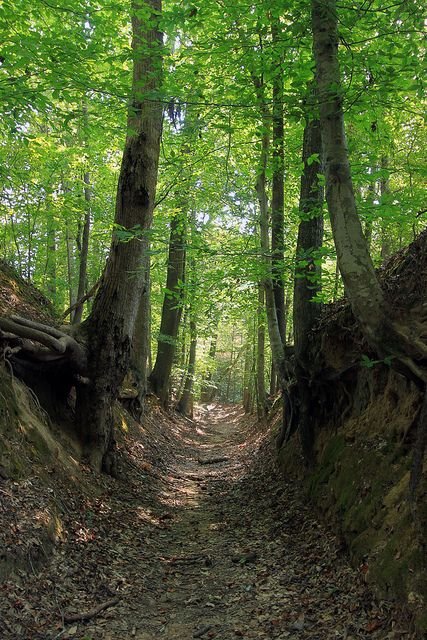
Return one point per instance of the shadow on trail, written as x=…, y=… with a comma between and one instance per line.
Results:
x=201, y=537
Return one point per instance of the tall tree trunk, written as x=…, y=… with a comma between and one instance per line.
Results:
x=261, y=394
x=247, y=378
x=402, y=342
x=51, y=254
x=185, y=404
x=70, y=264
x=385, y=233
x=307, y=283
x=206, y=394
x=273, y=379
x=140, y=355
x=110, y=327
x=388, y=337
x=84, y=249
x=172, y=309
x=276, y=344
x=277, y=194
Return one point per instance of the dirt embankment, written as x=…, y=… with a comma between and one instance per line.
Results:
x=366, y=426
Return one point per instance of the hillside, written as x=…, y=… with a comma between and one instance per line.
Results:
x=366, y=433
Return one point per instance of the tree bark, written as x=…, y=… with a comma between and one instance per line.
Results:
x=261, y=395
x=307, y=283
x=185, y=404
x=276, y=344
x=140, y=355
x=70, y=264
x=172, y=309
x=51, y=241
x=84, y=249
x=109, y=329
x=277, y=193
x=385, y=233
x=207, y=392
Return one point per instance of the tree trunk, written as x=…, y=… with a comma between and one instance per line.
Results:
x=172, y=309
x=385, y=232
x=277, y=194
x=261, y=394
x=185, y=404
x=206, y=394
x=51, y=254
x=110, y=327
x=247, y=378
x=401, y=342
x=140, y=356
x=84, y=249
x=276, y=344
x=70, y=264
x=307, y=283
x=387, y=337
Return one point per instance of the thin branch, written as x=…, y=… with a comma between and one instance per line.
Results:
x=88, y=615
x=86, y=297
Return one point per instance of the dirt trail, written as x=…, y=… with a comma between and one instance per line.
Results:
x=196, y=547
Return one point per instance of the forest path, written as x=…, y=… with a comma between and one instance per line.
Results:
x=238, y=554
x=181, y=549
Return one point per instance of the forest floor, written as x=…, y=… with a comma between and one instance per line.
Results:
x=200, y=538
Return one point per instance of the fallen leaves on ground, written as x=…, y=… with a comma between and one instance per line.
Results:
x=182, y=550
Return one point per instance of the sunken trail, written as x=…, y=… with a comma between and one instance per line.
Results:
x=201, y=538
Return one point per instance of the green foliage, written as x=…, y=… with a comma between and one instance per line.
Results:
x=65, y=73
x=369, y=363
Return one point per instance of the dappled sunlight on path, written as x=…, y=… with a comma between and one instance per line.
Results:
x=200, y=538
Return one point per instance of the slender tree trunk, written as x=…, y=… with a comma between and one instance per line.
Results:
x=185, y=404
x=51, y=255
x=260, y=357
x=110, y=327
x=307, y=284
x=388, y=337
x=246, y=395
x=273, y=379
x=369, y=221
x=230, y=369
x=140, y=355
x=181, y=359
x=70, y=264
x=276, y=344
x=172, y=309
x=385, y=233
x=206, y=394
x=84, y=249
x=277, y=194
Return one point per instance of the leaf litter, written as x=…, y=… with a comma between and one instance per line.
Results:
x=176, y=549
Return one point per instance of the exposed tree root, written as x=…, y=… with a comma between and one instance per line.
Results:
x=92, y=613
